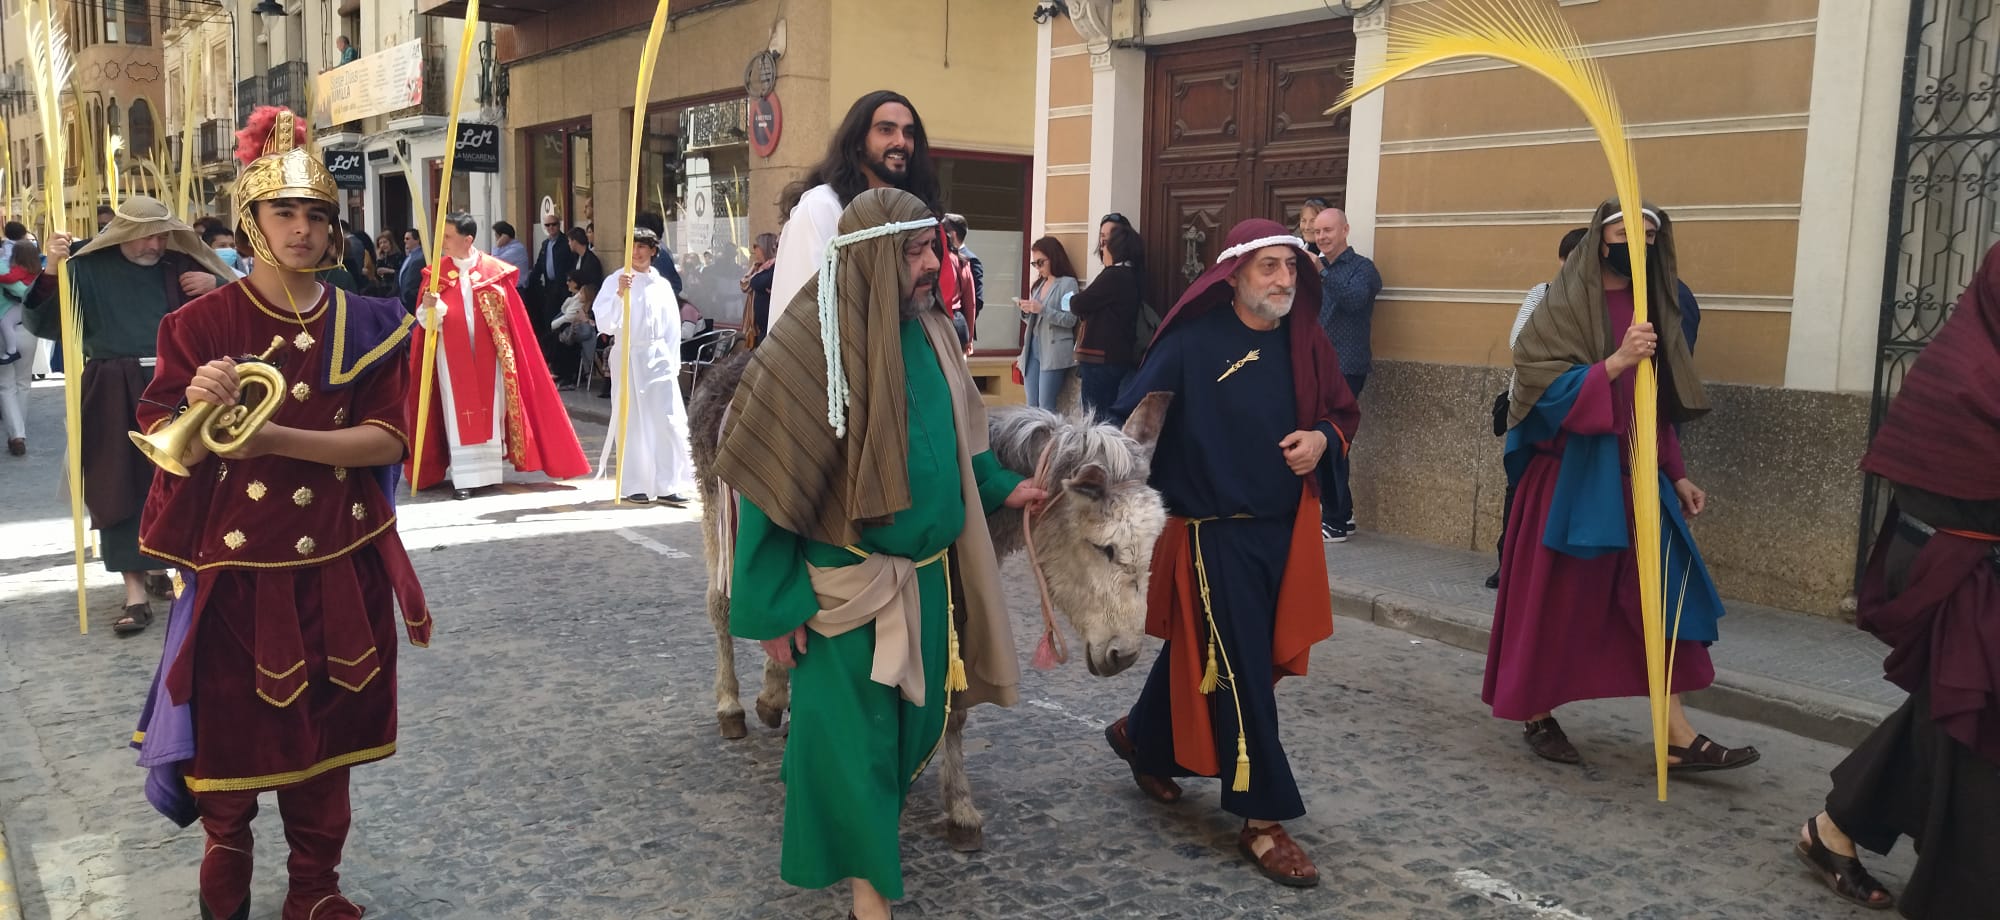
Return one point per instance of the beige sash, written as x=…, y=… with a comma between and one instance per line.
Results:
x=881, y=589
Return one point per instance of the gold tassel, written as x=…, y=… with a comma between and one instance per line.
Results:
x=1242, y=783
x=954, y=678
x=1208, y=677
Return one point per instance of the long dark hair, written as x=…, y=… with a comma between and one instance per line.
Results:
x=844, y=168
x=1052, y=250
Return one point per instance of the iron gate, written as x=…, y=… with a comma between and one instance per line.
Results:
x=1944, y=208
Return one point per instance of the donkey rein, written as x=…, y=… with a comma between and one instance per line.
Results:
x=1051, y=636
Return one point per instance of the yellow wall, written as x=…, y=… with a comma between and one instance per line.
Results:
x=1483, y=168
x=969, y=67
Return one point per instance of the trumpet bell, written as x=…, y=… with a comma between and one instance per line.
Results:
x=166, y=447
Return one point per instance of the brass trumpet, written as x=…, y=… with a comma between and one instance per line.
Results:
x=221, y=428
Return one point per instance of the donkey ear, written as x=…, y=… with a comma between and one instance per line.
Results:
x=1091, y=482
x=1143, y=425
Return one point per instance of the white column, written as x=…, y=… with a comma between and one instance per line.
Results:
x=1364, y=133
x=1117, y=135
x=1843, y=219
x=1038, y=193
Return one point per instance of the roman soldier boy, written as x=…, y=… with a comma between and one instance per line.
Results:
x=279, y=672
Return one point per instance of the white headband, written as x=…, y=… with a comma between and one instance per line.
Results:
x=837, y=393
x=1616, y=217
x=1242, y=249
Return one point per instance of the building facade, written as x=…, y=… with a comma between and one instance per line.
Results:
x=568, y=67
x=1767, y=128
x=119, y=89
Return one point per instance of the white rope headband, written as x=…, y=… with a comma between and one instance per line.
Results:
x=1616, y=217
x=1242, y=249
x=837, y=392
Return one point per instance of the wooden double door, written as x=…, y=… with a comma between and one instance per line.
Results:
x=1234, y=130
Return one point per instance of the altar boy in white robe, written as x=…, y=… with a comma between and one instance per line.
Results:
x=658, y=464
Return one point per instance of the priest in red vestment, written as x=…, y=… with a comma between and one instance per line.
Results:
x=279, y=670
x=493, y=399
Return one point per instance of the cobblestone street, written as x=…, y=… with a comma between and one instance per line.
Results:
x=559, y=758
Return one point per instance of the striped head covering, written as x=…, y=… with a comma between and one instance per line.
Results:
x=818, y=431
x=1570, y=326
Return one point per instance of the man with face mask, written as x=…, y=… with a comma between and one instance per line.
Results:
x=1566, y=625
x=219, y=238
x=142, y=266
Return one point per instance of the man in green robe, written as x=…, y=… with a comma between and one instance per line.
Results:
x=141, y=266
x=857, y=441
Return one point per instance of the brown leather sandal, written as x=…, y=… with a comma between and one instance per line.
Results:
x=134, y=619
x=1158, y=788
x=1284, y=862
x=1547, y=740
x=1705, y=756
x=1844, y=875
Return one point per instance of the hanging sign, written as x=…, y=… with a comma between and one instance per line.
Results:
x=767, y=124
x=478, y=148
x=348, y=168
x=375, y=84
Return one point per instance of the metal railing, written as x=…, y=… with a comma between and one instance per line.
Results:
x=249, y=95
x=286, y=85
x=436, y=86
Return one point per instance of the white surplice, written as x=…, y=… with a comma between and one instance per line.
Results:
x=472, y=465
x=658, y=461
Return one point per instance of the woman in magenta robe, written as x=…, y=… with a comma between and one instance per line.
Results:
x=1567, y=625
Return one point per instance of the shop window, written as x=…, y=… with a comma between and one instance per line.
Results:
x=559, y=173
x=991, y=193
x=695, y=173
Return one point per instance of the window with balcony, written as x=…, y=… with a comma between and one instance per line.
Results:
x=138, y=22
x=142, y=135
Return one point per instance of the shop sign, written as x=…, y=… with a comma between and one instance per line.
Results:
x=767, y=124
x=376, y=84
x=348, y=168
x=478, y=149
x=698, y=220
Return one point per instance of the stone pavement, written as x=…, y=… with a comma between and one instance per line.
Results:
x=559, y=758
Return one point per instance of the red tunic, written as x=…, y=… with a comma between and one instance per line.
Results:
x=539, y=436
x=297, y=565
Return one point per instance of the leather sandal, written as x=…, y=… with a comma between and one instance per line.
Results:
x=1705, y=756
x=1284, y=862
x=160, y=586
x=1158, y=788
x=134, y=620
x=1547, y=740
x=1843, y=875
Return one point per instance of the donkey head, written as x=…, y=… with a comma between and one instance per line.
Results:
x=1095, y=541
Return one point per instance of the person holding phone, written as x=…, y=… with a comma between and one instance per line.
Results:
x=1048, y=344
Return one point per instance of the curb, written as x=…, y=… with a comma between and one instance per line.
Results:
x=1783, y=705
x=10, y=903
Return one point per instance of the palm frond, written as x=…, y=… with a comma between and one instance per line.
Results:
x=50, y=69
x=1532, y=35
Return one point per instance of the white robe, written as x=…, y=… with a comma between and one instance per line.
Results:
x=658, y=461
x=472, y=465
x=802, y=245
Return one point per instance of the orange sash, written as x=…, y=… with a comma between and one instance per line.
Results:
x=1174, y=613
